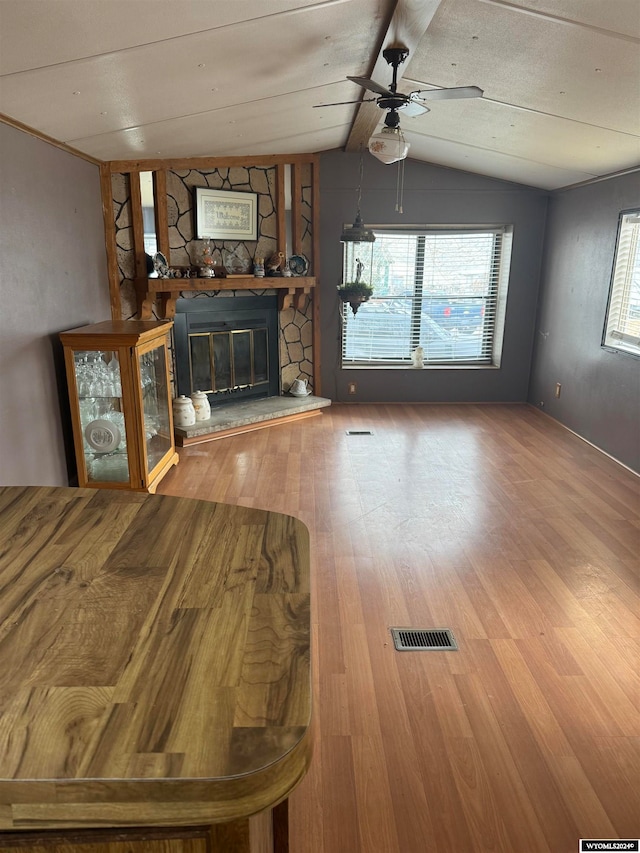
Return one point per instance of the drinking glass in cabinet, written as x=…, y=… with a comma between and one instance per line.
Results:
x=98, y=374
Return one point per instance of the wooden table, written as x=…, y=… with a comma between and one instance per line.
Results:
x=154, y=667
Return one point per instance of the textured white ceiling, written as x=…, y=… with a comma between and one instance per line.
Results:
x=130, y=79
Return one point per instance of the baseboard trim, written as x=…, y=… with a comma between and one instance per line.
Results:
x=586, y=440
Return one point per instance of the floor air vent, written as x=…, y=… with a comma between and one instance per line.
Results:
x=423, y=640
x=359, y=432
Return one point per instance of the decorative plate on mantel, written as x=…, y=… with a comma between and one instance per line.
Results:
x=236, y=264
x=299, y=264
x=160, y=265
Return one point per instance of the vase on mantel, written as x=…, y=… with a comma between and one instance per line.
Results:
x=206, y=270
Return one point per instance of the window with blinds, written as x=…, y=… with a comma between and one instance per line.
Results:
x=442, y=289
x=622, y=325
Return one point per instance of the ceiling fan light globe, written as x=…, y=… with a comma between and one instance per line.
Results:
x=389, y=145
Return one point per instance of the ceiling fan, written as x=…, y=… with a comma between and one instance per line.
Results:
x=412, y=104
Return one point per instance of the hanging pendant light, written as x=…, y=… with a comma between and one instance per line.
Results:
x=358, y=232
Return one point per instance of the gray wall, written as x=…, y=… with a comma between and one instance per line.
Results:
x=600, y=397
x=432, y=195
x=53, y=276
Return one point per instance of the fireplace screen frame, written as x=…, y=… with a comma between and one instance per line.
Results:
x=227, y=315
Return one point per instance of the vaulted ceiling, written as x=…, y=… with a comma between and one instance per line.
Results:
x=133, y=79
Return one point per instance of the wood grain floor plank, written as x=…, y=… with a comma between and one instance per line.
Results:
x=589, y=812
x=342, y=832
x=522, y=614
x=530, y=699
x=567, y=693
x=376, y=821
x=481, y=808
x=522, y=824
x=482, y=603
x=618, y=792
x=615, y=681
x=531, y=733
x=450, y=830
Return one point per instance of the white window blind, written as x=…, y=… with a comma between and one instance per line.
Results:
x=622, y=326
x=440, y=289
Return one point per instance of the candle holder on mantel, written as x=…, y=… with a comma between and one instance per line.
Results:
x=206, y=267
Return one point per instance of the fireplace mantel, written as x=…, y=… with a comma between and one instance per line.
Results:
x=291, y=291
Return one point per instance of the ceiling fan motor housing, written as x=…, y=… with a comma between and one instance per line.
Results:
x=393, y=103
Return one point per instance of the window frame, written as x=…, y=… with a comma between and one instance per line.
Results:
x=497, y=292
x=614, y=338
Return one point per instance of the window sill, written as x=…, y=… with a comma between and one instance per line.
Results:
x=621, y=350
x=392, y=366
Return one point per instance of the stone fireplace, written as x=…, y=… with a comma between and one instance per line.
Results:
x=146, y=298
x=247, y=361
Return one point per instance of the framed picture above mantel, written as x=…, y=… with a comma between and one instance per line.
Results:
x=225, y=215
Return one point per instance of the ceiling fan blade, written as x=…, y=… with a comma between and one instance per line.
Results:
x=340, y=103
x=414, y=108
x=448, y=94
x=371, y=85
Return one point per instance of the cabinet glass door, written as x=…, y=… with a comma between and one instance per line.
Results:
x=99, y=385
x=155, y=406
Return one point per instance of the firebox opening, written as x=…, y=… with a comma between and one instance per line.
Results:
x=228, y=347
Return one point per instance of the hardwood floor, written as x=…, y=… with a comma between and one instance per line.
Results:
x=495, y=522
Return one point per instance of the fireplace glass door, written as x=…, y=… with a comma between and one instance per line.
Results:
x=228, y=360
x=227, y=347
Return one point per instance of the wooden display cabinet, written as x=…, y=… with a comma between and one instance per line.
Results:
x=120, y=396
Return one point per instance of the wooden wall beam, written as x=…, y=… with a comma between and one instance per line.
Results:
x=113, y=273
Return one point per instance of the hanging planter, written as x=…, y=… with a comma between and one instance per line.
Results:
x=355, y=293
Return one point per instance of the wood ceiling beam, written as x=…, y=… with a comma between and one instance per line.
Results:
x=408, y=24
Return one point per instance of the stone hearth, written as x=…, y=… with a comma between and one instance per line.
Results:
x=234, y=418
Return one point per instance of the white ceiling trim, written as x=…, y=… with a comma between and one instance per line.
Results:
x=596, y=180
